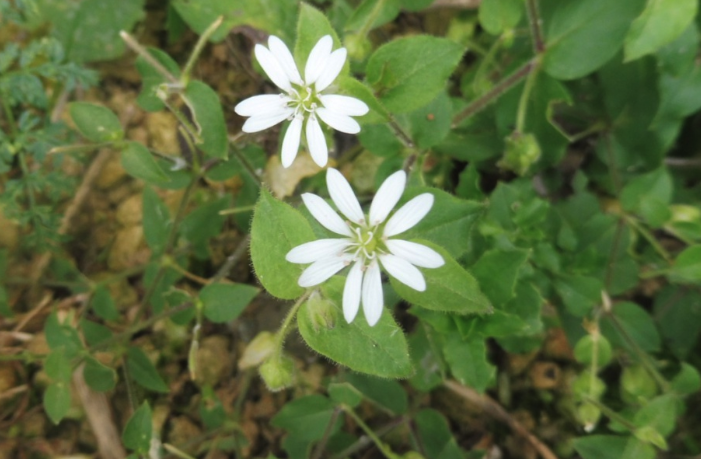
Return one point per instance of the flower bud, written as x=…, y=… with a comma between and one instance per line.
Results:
x=322, y=313
x=262, y=347
x=277, y=372
x=586, y=347
x=649, y=434
x=588, y=414
x=637, y=384
x=587, y=386
x=358, y=46
x=522, y=150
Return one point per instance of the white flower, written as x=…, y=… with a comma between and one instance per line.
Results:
x=366, y=244
x=302, y=100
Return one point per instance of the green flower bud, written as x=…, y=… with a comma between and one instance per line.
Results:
x=277, y=372
x=585, y=348
x=522, y=150
x=262, y=347
x=322, y=313
x=358, y=46
x=588, y=414
x=649, y=434
x=637, y=384
x=587, y=386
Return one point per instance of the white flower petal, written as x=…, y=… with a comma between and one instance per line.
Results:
x=272, y=67
x=343, y=196
x=262, y=104
x=416, y=254
x=266, y=120
x=351, y=292
x=325, y=214
x=333, y=67
x=290, y=144
x=404, y=272
x=373, y=302
x=321, y=270
x=284, y=58
x=342, y=123
x=317, y=59
x=316, y=142
x=409, y=214
x=344, y=105
x=387, y=197
x=311, y=252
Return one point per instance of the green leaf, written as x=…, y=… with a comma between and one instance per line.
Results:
x=649, y=195
x=139, y=163
x=93, y=332
x=151, y=79
x=143, y=371
x=103, y=304
x=497, y=16
x=600, y=446
x=95, y=122
x=659, y=413
x=208, y=118
x=386, y=393
x=89, y=29
x=436, y=436
x=580, y=294
x=449, y=222
x=205, y=221
x=57, y=400
x=139, y=430
x=496, y=271
x=582, y=35
x=306, y=417
x=98, y=376
x=687, y=381
x=449, y=288
x=468, y=361
x=408, y=73
x=345, y=393
x=354, y=88
x=312, y=24
x=60, y=335
x=272, y=16
x=660, y=23
x=58, y=366
x=277, y=228
x=380, y=350
x=430, y=124
x=225, y=302
x=637, y=324
x=379, y=12
x=687, y=266
x=156, y=221
x=637, y=449
x=379, y=140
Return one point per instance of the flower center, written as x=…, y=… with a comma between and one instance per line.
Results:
x=303, y=99
x=367, y=244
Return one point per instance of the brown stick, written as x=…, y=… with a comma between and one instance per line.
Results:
x=495, y=410
x=99, y=414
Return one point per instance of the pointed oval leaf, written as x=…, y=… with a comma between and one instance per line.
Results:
x=95, y=122
x=208, y=118
x=57, y=400
x=139, y=163
x=139, y=430
x=225, y=302
x=98, y=376
x=143, y=371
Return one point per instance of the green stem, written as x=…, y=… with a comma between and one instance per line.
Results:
x=285, y=328
x=185, y=79
x=369, y=432
x=649, y=237
x=143, y=52
x=611, y=414
x=237, y=210
x=535, y=23
x=525, y=96
x=246, y=164
x=372, y=17
x=185, y=123
x=400, y=133
x=490, y=96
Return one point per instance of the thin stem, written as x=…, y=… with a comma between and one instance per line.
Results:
x=200, y=280
x=232, y=260
x=400, y=133
x=364, y=441
x=237, y=210
x=372, y=17
x=490, y=96
x=172, y=237
x=525, y=96
x=611, y=414
x=535, y=22
x=143, y=52
x=246, y=164
x=198, y=49
x=286, y=324
x=140, y=326
x=369, y=432
x=649, y=237
x=185, y=123
x=319, y=449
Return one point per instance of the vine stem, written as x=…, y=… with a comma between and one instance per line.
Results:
x=141, y=51
x=610, y=413
x=198, y=49
x=525, y=95
x=535, y=23
x=287, y=322
x=369, y=432
x=490, y=96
